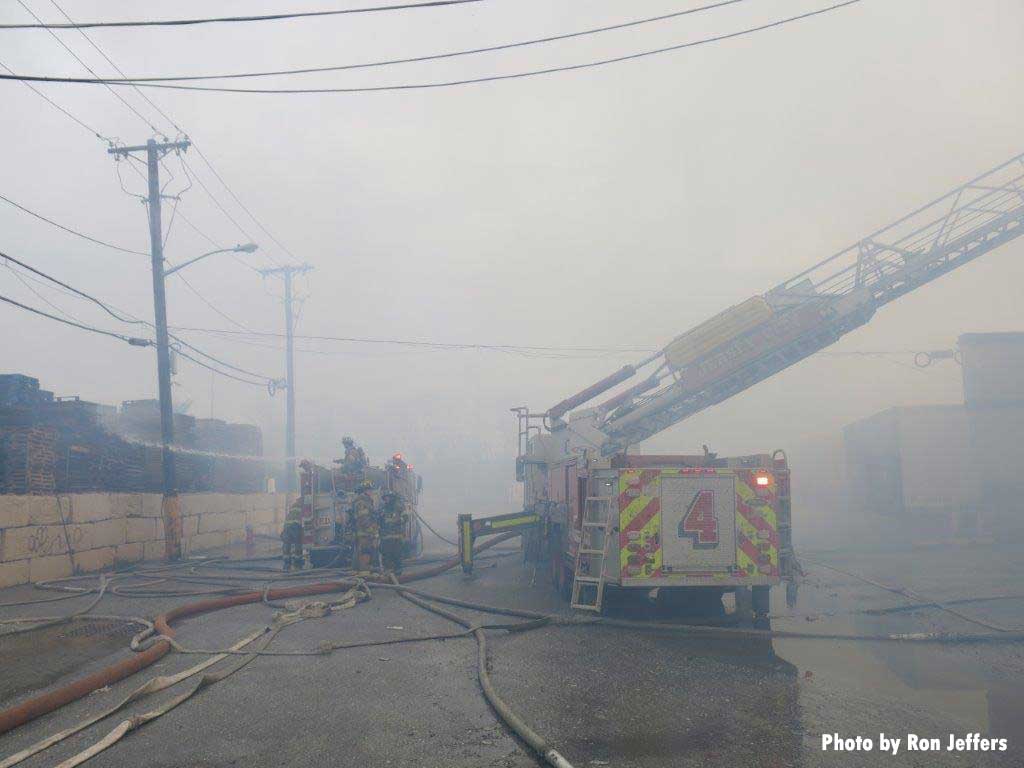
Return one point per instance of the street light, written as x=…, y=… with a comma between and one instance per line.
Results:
x=246, y=248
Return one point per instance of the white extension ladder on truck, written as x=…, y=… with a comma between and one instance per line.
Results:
x=588, y=588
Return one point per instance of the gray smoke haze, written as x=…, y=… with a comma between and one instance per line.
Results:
x=617, y=206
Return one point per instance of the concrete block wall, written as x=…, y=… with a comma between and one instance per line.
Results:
x=104, y=529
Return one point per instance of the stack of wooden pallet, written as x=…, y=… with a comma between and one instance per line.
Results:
x=26, y=459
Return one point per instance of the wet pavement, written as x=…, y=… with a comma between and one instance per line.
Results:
x=602, y=696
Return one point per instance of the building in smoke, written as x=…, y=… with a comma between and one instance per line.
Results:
x=939, y=472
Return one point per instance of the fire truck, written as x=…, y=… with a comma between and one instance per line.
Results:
x=696, y=526
x=327, y=496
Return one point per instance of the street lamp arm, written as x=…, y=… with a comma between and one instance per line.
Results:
x=247, y=248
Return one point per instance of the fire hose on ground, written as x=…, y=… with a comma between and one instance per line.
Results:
x=19, y=714
x=160, y=644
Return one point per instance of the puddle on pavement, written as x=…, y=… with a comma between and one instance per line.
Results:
x=923, y=677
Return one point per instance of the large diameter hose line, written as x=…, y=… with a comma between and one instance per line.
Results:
x=19, y=714
x=511, y=719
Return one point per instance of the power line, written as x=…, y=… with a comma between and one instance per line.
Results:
x=263, y=378
x=24, y=280
x=74, y=232
x=116, y=68
x=198, y=149
x=59, y=108
x=152, y=104
x=135, y=342
x=209, y=303
x=74, y=290
x=89, y=69
x=415, y=343
x=200, y=363
x=451, y=83
x=235, y=19
x=216, y=202
x=267, y=232
x=437, y=56
x=127, y=318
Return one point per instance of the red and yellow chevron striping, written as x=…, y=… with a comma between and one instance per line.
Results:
x=640, y=523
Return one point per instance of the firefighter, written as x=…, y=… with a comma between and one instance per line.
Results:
x=352, y=466
x=291, y=536
x=363, y=515
x=393, y=520
x=355, y=457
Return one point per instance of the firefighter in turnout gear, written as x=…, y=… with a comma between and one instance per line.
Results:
x=355, y=457
x=291, y=536
x=352, y=466
x=393, y=520
x=363, y=515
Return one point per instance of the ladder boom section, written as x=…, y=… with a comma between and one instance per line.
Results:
x=756, y=339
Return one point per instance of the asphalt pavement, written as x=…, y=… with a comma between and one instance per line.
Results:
x=602, y=696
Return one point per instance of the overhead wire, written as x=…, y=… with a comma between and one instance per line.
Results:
x=437, y=56
x=102, y=305
x=106, y=307
x=130, y=319
x=59, y=108
x=24, y=281
x=195, y=146
x=189, y=172
x=216, y=202
x=418, y=343
x=454, y=83
x=69, y=230
x=237, y=19
x=200, y=363
x=209, y=303
x=243, y=206
x=103, y=53
x=131, y=340
x=89, y=69
x=180, y=131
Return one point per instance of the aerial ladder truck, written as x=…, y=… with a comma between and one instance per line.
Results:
x=696, y=526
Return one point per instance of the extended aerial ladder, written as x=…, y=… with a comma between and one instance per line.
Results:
x=750, y=342
x=753, y=340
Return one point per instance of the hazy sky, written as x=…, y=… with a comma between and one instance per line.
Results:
x=613, y=206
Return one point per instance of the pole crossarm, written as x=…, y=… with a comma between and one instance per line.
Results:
x=162, y=148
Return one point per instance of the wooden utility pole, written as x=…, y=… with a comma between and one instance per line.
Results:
x=170, y=507
x=287, y=272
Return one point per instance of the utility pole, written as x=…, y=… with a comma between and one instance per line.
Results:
x=170, y=507
x=287, y=272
